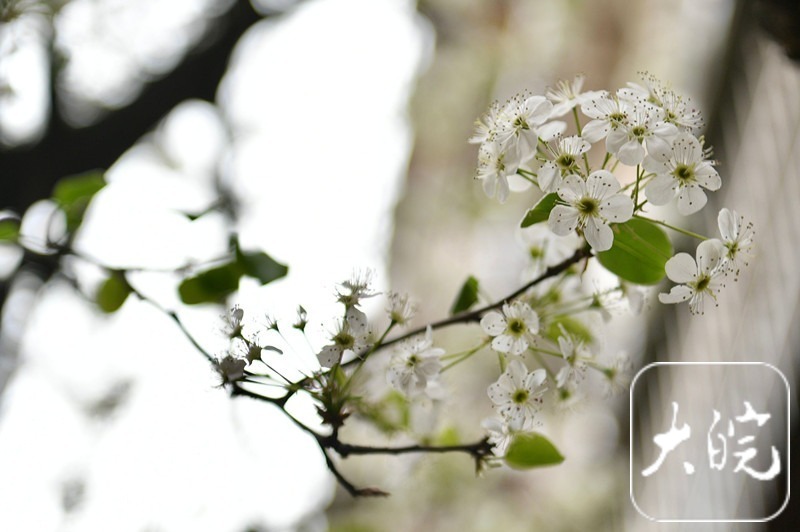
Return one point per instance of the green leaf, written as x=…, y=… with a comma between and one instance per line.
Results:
x=530, y=449
x=211, y=286
x=467, y=296
x=9, y=230
x=575, y=327
x=639, y=253
x=73, y=194
x=113, y=293
x=260, y=265
x=541, y=211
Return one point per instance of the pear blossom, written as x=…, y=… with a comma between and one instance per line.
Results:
x=700, y=279
x=590, y=206
x=681, y=171
x=231, y=368
x=358, y=287
x=499, y=434
x=642, y=130
x=575, y=355
x=518, y=121
x=400, y=308
x=565, y=96
x=486, y=126
x=514, y=329
x=607, y=114
x=517, y=394
x=565, y=157
x=737, y=237
x=415, y=364
x=351, y=336
x=494, y=167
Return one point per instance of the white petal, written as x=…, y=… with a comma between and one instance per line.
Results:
x=598, y=234
x=502, y=189
x=657, y=145
x=503, y=343
x=709, y=254
x=549, y=177
x=617, y=208
x=601, y=183
x=707, y=177
x=661, y=189
x=595, y=130
x=691, y=199
x=535, y=379
x=681, y=268
x=563, y=220
x=493, y=323
x=678, y=294
x=572, y=188
x=551, y=130
x=329, y=356
x=631, y=153
x=615, y=140
x=727, y=224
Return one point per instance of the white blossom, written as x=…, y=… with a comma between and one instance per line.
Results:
x=737, y=237
x=499, y=434
x=351, y=336
x=517, y=127
x=575, y=355
x=415, y=364
x=494, y=166
x=590, y=206
x=700, y=279
x=565, y=96
x=565, y=158
x=643, y=130
x=513, y=329
x=400, y=308
x=608, y=113
x=684, y=171
x=517, y=394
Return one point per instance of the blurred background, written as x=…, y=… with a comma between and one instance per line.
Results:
x=336, y=131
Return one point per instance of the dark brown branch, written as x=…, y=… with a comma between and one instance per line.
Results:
x=28, y=174
x=475, y=315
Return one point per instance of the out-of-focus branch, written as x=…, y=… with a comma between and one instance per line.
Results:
x=28, y=174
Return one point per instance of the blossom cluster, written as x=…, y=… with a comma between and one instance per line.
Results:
x=647, y=127
x=596, y=180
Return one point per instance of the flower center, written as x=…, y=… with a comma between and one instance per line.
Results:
x=566, y=160
x=412, y=361
x=520, y=123
x=638, y=131
x=536, y=252
x=520, y=396
x=702, y=283
x=344, y=340
x=683, y=173
x=588, y=206
x=516, y=326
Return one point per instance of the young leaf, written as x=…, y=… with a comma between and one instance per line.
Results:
x=530, y=449
x=575, y=327
x=211, y=286
x=113, y=293
x=73, y=194
x=541, y=211
x=467, y=296
x=9, y=230
x=260, y=265
x=639, y=253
